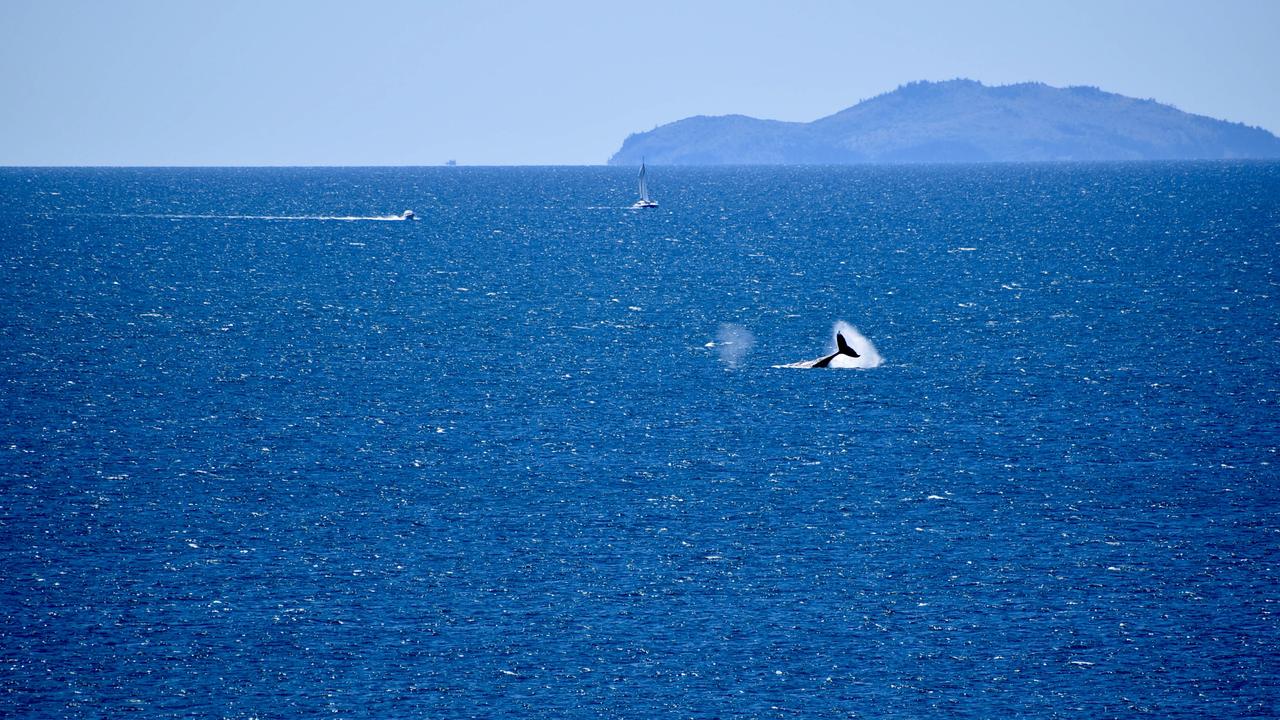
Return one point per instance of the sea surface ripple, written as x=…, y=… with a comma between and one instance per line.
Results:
x=258, y=460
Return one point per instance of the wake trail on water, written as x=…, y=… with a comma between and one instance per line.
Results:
x=318, y=218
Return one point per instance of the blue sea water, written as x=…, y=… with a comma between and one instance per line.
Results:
x=266, y=453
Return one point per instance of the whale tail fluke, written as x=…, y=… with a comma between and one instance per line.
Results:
x=843, y=348
x=845, y=356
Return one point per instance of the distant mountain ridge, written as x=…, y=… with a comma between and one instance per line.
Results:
x=957, y=121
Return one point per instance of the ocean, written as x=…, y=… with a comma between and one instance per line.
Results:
x=267, y=451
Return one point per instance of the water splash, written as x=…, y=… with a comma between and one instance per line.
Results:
x=869, y=357
x=733, y=342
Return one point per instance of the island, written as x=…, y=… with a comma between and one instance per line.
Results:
x=957, y=121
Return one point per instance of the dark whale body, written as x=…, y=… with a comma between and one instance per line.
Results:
x=842, y=348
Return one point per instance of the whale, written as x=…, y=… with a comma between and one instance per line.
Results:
x=853, y=350
x=842, y=348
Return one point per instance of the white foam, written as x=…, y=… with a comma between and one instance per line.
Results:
x=868, y=356
x=330, y=218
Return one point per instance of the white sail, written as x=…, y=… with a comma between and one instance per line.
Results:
x=644, y=201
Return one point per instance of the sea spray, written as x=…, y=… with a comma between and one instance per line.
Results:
x=733, y=342
x=868, y=356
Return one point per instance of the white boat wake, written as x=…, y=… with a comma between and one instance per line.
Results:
x=316, y=218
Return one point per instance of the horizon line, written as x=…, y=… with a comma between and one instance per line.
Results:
x=1142, y=161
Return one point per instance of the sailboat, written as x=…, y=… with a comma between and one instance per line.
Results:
x=644, y=201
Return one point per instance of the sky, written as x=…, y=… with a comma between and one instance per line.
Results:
x=396, y=82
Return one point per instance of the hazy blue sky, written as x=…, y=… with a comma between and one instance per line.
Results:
x=307, y=82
